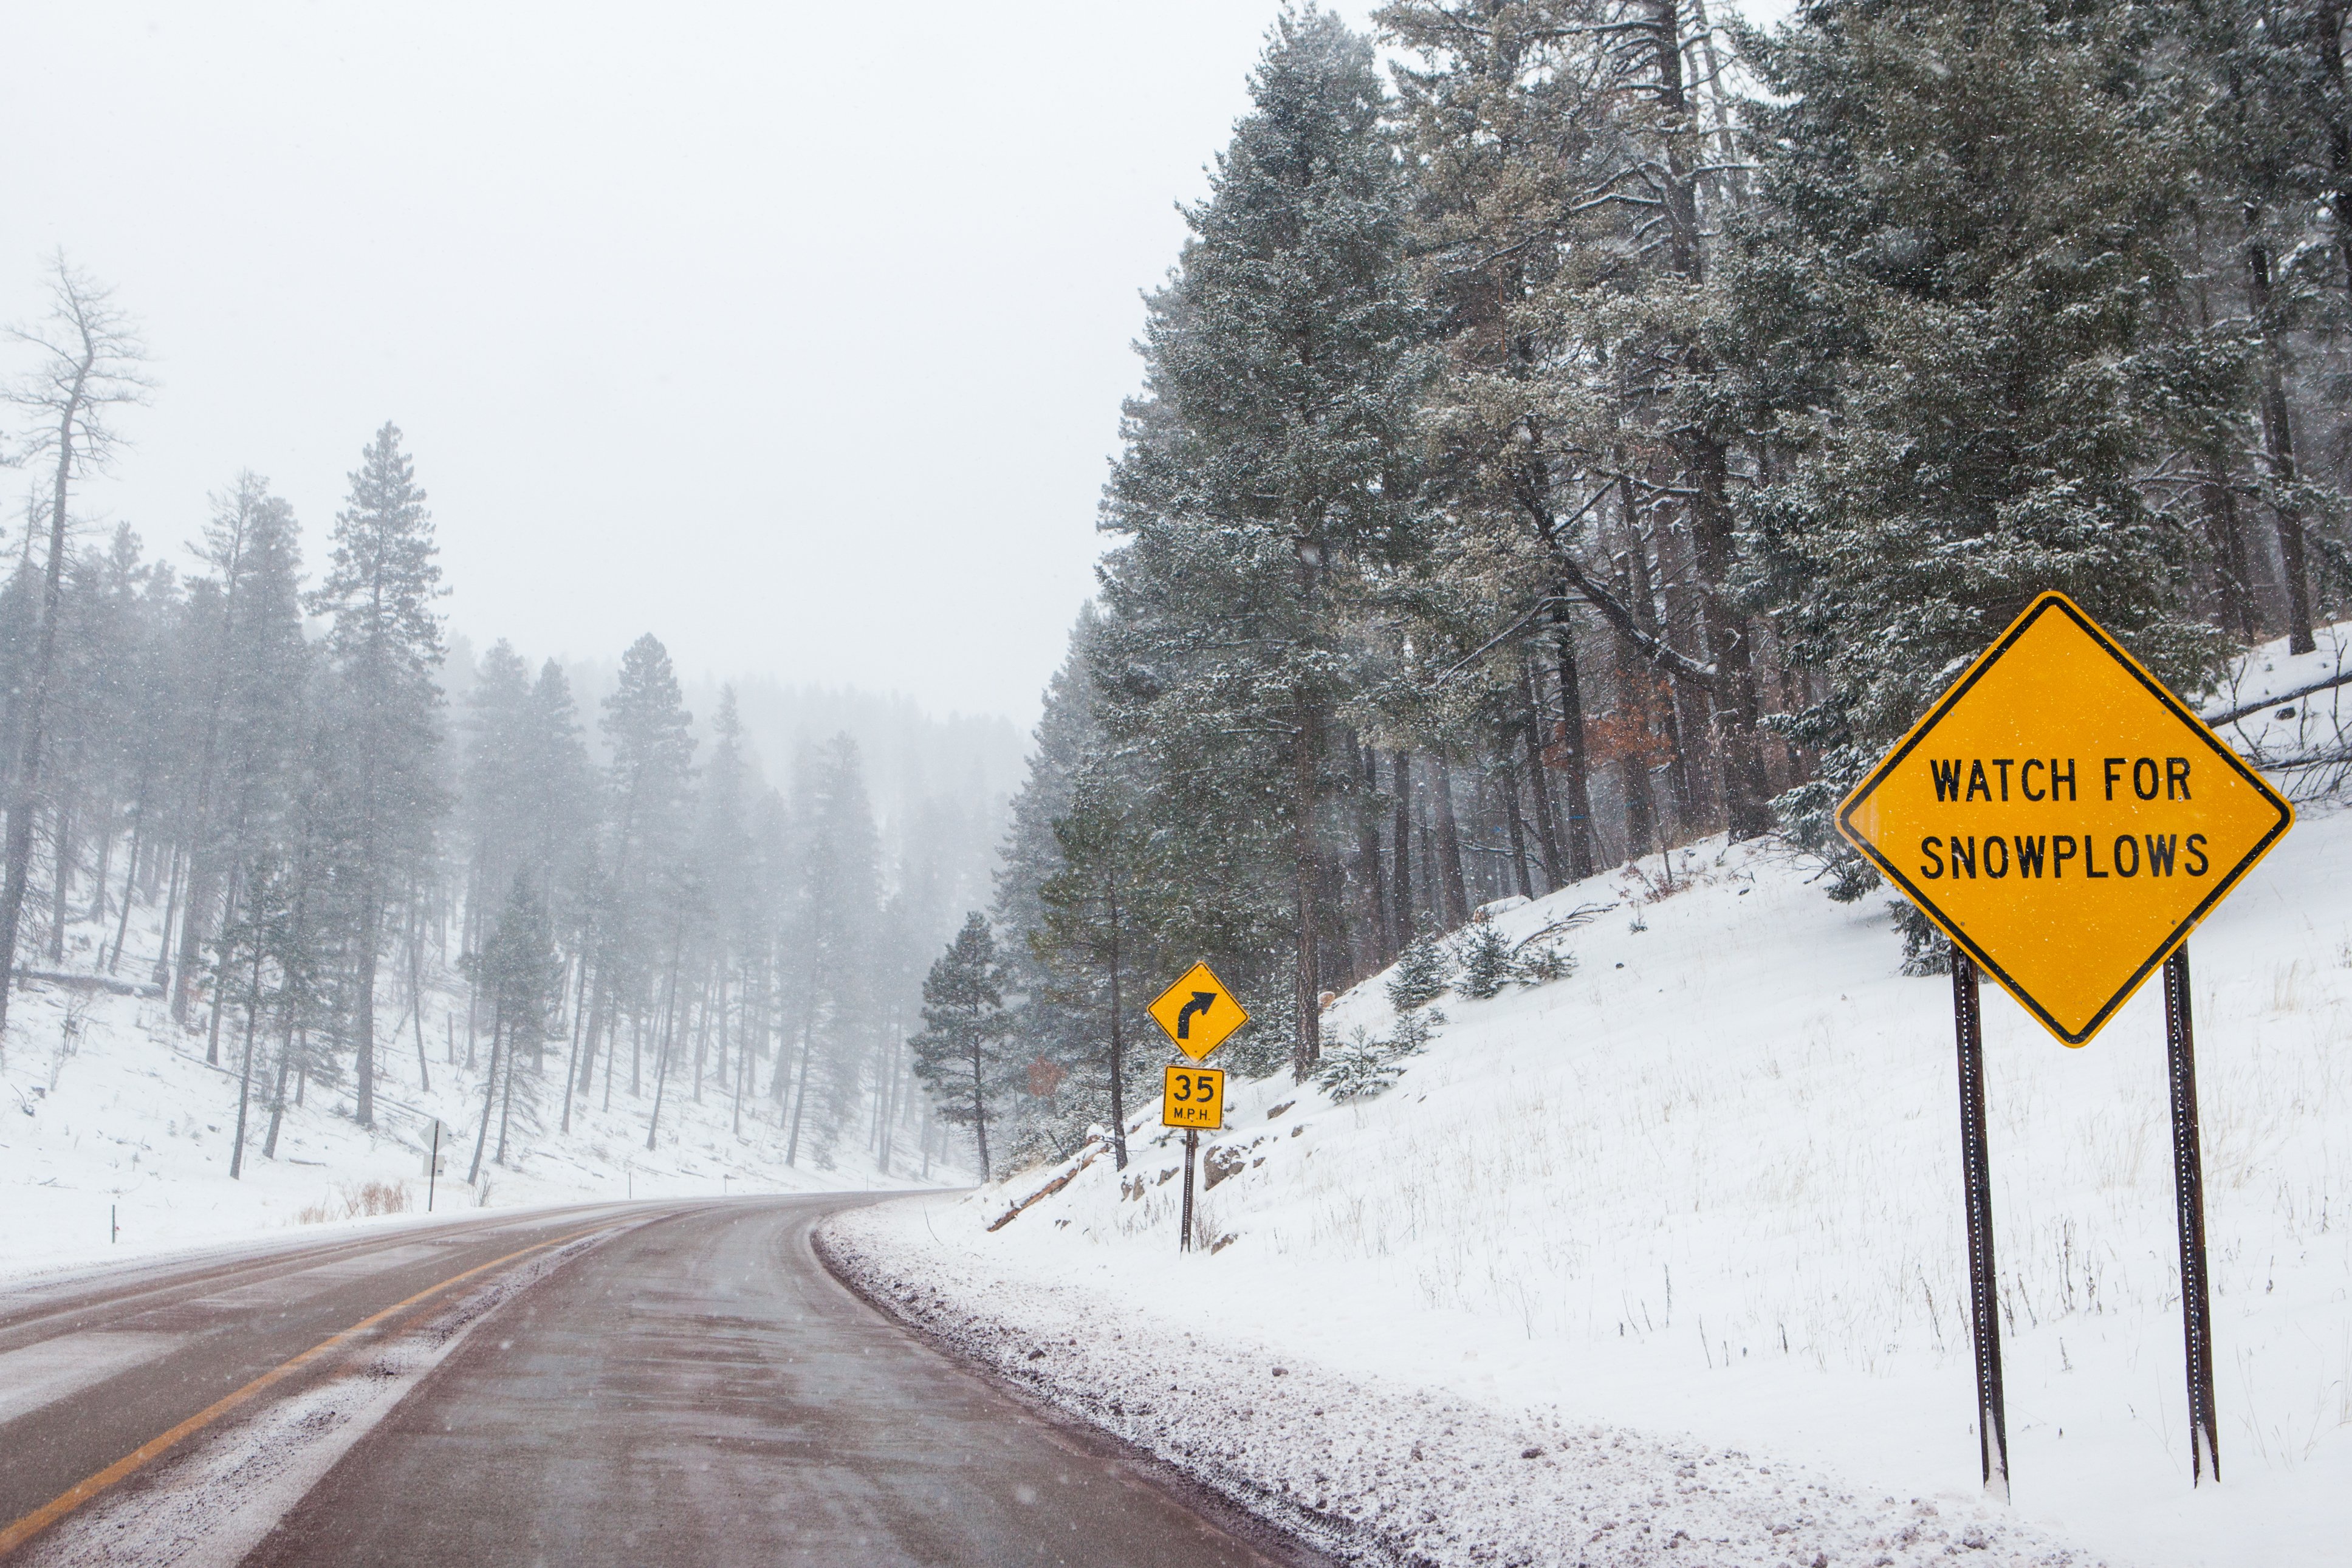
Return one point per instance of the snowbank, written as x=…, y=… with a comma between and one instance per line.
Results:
x=1700, y=1200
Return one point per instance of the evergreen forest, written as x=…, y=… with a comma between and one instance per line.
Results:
x=1576, y=428
x=270, y=791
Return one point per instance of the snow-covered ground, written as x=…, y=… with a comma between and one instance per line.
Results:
x=109, y=1114
x=1701, y=1200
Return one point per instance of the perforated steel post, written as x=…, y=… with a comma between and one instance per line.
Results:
x=2189, y=1191
x=1976, y=1177
x=1191, y=1142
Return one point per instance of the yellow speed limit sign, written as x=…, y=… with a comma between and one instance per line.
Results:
x=1194, y=1097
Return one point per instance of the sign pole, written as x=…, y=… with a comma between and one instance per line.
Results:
x=1191, y=1142
x=2189, y=1188
x=1984, y=1304
x=433, y=1166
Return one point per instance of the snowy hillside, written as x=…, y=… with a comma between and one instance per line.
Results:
x=109, y=1113
x=1708, y=1188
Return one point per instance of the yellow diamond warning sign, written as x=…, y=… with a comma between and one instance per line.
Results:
x=1197, y=1013
x=2064, y=817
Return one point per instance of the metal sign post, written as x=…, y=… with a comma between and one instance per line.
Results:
x=1192, y=1143
x=1976, y=1181
x=2189, y=1191
x=1198, y=1015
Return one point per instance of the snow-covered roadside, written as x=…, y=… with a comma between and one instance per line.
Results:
x=1379, y=1471
x=1706, y=1189
x=110, y=1116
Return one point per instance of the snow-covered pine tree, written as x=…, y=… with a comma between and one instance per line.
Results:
x=1423, y=974
x=384, y=643
x=647, y=793
x=1484, y=958
x=87, y=362
x=1357, y=1068
x=1091, y=943
x=1266, y=464
x=959, y=1054
x=1948, y=306
x=838, y=915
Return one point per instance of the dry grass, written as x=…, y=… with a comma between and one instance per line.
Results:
x=358, y=1200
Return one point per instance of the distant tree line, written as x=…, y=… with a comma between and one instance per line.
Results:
x=263, y=765
x=1611, y=429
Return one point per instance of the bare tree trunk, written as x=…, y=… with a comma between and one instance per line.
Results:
x=701, y=1039
x=61, y=881
x=1506, y=782
x=668, y=1033
x=212, y=1035
x=1370, y=874
x=278, y=1094
x=171, y=912
x=1575, y=763
x=799, y=1090
x=489, y=1089
x=1640, y=591
x=1538, y=781
x=129, y=879
x=27, y=799
x=1307, y=975
x=416, y=991
x=244, y=1073
x=979, y=1104
x=505, y=1096
x=2278, y=446
x=1746, y=798
x=1117, y=1041
x=1451, y=885
x=100, y=899
x=1401, y=849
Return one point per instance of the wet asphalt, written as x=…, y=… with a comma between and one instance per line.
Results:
x=696, y=1389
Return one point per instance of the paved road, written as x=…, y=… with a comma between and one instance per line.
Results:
x=693, y=1390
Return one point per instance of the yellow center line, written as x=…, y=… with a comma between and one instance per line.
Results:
x=22, y=1530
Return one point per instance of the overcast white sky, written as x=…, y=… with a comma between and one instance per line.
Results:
x=794, y=333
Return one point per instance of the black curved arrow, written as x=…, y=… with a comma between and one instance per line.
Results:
x=1201, y=1003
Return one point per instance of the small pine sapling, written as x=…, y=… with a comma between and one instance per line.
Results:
x=1540, y=963
x=1423, y=974
x=1357, y=1070
x=1486, y=959
x=1413, y=1031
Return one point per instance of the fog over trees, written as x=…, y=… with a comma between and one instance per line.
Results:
x=1584, y=426
x=270, y=754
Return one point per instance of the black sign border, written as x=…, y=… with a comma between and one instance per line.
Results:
x=2196, y=726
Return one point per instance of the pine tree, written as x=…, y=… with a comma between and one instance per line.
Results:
x=1486, y=961
x=1267, y=462
x=516, y=967
x=1090, y=939
x=649, y=786
x=958, y=1054
x=1423, y=974
x=89, y=363
x=1950, y=295
x=384, y=640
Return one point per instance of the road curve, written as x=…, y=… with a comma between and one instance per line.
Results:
x=695, y=1389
